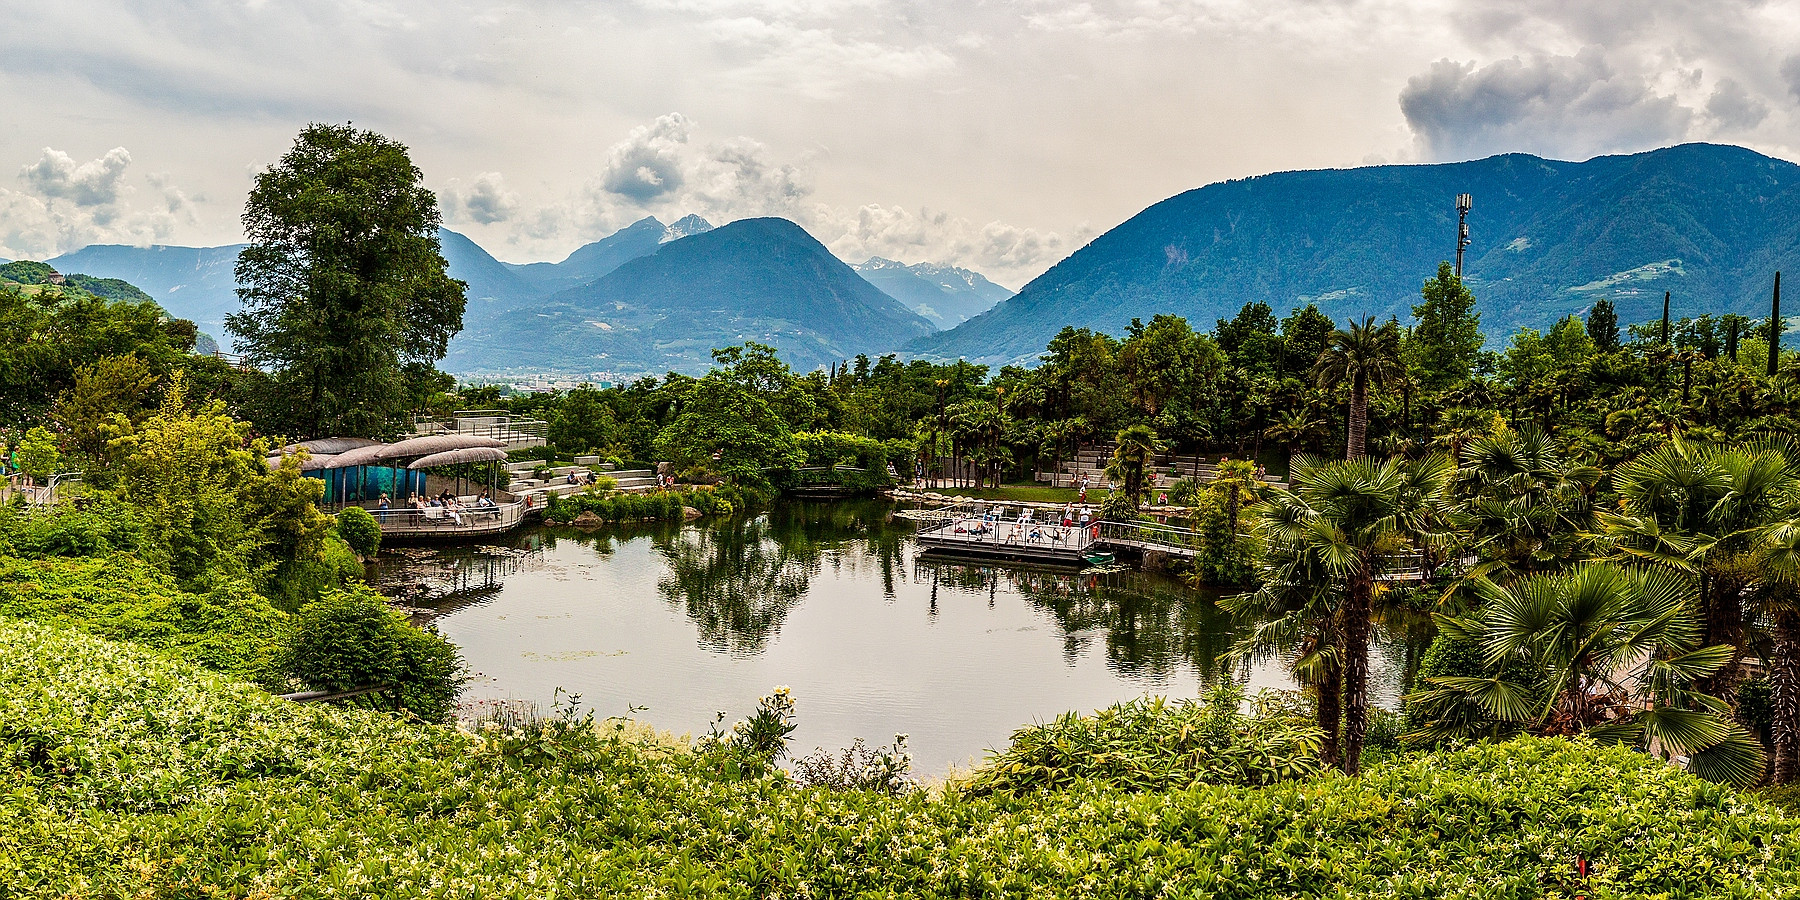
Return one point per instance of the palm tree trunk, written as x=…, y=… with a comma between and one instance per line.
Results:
x=1331, y=699
x=1356, y=670
x=1784, y=696
x=1723, y=605
x=1359, y=419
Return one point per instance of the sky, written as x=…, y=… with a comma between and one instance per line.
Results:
x=996, y=134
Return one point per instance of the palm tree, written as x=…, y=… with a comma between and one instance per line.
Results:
x=1706, y=513
x=1365, y=356
x=1525, y=504
x=1328, y=542
x=1619, y=655
x=1295, y=428
x=1132, y=461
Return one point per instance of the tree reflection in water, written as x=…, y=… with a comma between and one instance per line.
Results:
x=735, y=582
x=1152, y=626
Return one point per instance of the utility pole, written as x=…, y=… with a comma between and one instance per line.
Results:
x=1464, y=202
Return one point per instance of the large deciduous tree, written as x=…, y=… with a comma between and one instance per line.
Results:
x=343, y=285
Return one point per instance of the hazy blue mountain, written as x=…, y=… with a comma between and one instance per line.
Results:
x=763, y=280
x=197, y=282
x=590, y=261
x=1710, y=223
x=190, y=282
x=945, y=295
x=494, y=287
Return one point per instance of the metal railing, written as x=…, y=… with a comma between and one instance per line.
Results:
x=1147, y=536
x=490, y=423
x=986, y=525
x=446, y=521
x=64, y=486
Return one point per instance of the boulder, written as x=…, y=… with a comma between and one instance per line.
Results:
x=689, y=513
x=587, y=519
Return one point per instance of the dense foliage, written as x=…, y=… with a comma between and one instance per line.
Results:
x=662, y=506
x=132, y=775
x=352, y=639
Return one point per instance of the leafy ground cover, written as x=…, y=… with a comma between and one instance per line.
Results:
x=129, y=774
x=121, y=597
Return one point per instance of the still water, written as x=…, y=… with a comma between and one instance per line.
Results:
x=673, y=624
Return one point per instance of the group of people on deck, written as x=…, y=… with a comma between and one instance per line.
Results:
x=1026, y=528
x=452, y=507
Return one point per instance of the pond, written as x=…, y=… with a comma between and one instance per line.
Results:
x=673, y=624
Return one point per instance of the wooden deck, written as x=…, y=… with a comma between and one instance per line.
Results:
x=433, y=523
x=985, y=528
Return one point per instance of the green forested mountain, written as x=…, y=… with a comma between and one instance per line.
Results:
x=763, y=280
x=1710, y=223
x=192, y=283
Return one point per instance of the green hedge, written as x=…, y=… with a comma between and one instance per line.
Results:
x=130, y=775
x=661, y=506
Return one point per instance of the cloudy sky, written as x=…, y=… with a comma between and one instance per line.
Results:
x=998, y=134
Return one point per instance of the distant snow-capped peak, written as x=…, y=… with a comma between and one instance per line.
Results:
x=686, y=226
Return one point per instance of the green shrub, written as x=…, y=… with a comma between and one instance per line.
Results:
x=296, y=582
x=1434, y=718
x=129, y=775
x=661, y=506
x=348, y=639
x=360, y=531
x=1151, y=744
x=231, y=630
x=69, y=530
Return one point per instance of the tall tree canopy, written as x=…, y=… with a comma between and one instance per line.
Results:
x=344, y=288
x=1444, y=344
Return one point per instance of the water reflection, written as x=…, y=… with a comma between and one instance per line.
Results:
x=736, y=582
x=683, y=620
x=1151, y=626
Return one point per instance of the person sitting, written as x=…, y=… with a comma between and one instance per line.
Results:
x=573, y=479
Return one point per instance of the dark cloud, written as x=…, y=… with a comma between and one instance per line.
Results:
x=1733, y=108
x=1790, y=73
x=1569, y=106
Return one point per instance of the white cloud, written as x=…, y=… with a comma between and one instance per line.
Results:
x=1009, y=254
x=96, y=182
x=486, y=200
x=66, y=205
x=647, y=165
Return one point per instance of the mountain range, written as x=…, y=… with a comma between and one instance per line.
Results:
x=1709, y=223
x=197, y=283
x=763, y=280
